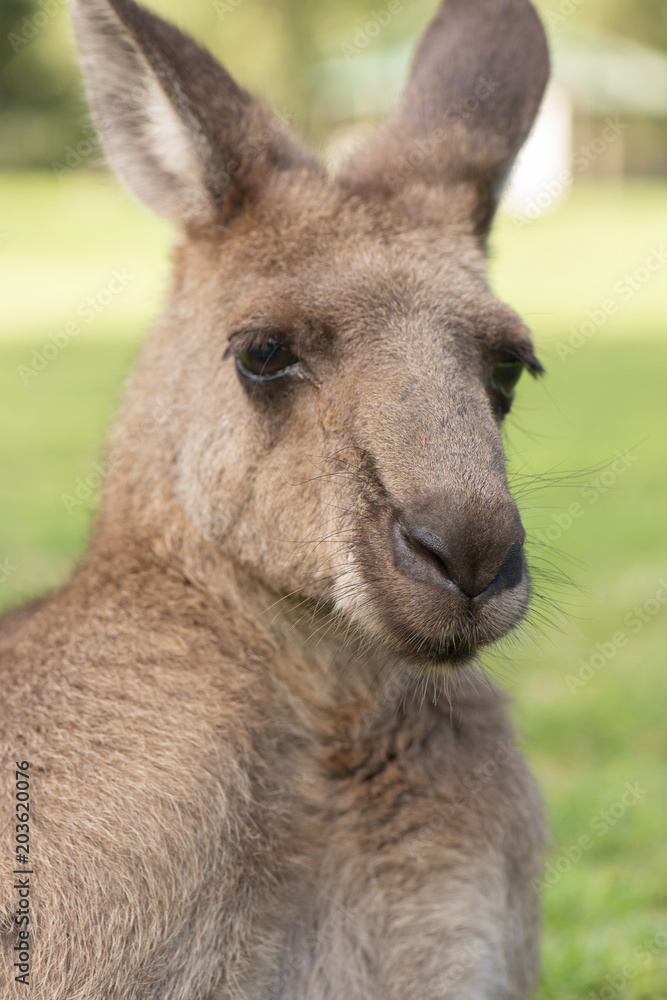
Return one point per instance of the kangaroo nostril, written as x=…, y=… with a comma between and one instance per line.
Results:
x=510, y=572
x=464, y=563
x=434, y=546
x=422, y=555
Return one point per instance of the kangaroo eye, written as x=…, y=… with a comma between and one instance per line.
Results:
x=266, y=361
x=505, y=376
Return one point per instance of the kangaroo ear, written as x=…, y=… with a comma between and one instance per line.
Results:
x=177, y=129
x=474, y=91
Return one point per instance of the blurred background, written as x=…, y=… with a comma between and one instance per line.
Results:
x=580, y=249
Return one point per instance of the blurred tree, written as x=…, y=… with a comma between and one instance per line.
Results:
x=643, y=20
x=271, y=45
x=40, y=103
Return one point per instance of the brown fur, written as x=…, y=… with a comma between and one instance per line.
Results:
x=263, y=764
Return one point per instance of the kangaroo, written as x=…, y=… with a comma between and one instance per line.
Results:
x=255, y=757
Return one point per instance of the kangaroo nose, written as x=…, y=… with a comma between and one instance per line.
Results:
x=472, y=559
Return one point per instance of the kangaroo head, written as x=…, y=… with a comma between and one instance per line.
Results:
x=321, y=403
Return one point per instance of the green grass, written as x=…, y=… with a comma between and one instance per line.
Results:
x=585, y=740
x=590, y=730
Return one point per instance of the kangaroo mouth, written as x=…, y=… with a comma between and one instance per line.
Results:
x=449, y=652
x=455, y=652
x=415, y=605
x=433, y=630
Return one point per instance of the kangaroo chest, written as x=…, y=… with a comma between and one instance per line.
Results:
x=405, y=883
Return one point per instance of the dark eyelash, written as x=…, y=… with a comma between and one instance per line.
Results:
x=524, y=357
x=252, y=338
